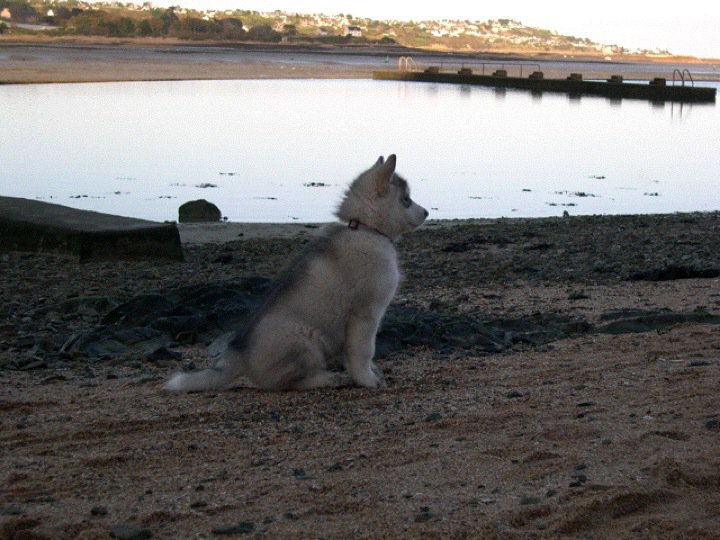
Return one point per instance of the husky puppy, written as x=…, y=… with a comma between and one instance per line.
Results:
x=325, y=311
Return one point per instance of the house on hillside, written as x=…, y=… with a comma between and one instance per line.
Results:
x=353, y=31
x=5, y=14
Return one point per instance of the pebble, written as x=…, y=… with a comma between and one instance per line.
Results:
x=424, y=515
x=586, y=404
x=300, y=474
x=244, y=527
x=128, y=532
x=11, y=510
x=698, y=363
x=98, y=511
x=579, y=477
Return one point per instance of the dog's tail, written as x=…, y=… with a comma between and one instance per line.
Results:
x=213, y=378
x=218, y=377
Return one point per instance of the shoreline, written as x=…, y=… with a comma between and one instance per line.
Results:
x=93, y=60
x=195, y=234
x=198, y=234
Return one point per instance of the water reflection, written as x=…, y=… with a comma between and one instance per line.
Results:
x=285, y=150
x=679, y=110
x=465, y=90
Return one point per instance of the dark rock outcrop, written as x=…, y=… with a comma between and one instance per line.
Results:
x=200, y=211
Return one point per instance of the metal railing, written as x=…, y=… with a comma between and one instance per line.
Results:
x=494, y=66
x=407, y=64
x=502, y=65
x=681, y=75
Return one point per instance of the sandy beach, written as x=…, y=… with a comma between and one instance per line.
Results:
x=549, y=378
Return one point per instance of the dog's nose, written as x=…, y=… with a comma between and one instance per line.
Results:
x=427, y=213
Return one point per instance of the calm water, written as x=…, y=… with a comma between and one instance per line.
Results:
x=284, y=150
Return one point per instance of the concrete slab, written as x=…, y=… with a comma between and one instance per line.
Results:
x=28, y=225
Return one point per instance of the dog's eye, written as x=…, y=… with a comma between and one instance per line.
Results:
x=406, y=201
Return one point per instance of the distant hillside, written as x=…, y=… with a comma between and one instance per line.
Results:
x=131, y=20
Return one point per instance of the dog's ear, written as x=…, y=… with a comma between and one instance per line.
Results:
x=384, y=175
x=379, y=162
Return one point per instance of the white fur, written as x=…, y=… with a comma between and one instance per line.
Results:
x=327, y=310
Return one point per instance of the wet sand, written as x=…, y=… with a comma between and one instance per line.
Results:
x=82, y=62
x=85, y=60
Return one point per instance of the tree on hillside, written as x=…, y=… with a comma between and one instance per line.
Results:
x=264, y=32
x=169, y=19
x=126, y=26
x=232, y=28
x=145, y=28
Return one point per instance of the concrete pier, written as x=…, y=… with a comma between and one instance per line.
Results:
x=28, y=225
x=615, y=88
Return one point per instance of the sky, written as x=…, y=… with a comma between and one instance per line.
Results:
x=689, y=27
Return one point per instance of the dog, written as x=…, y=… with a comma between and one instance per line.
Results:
x=325, y=311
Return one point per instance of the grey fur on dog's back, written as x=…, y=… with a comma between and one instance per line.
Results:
x=324, y=311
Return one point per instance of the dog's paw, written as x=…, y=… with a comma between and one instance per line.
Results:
x=322, y=379
x=382, y=383
x=368, y=379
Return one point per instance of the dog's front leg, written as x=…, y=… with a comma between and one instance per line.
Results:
x=359, y=350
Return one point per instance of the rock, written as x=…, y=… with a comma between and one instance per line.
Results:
x=11, y=510
x=655, y=321
x=579, y=477
x=98, y=511
x=586, y=404
x=200, y=211
x=151, y=324
x=244, y=527
x=148, y=325
x=674, y=271
x=107, y=343
x=404, y=327
x=699, y=363
x=424, y=515
x=128, y=532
